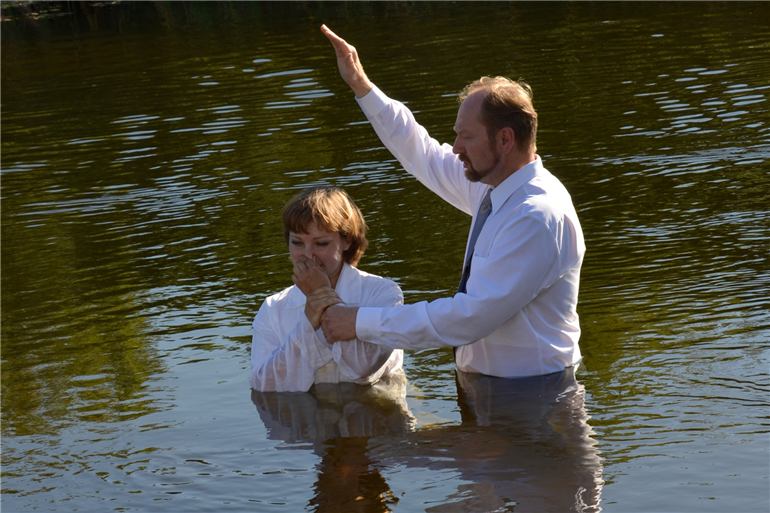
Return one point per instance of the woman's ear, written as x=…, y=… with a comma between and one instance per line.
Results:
x=346, y=243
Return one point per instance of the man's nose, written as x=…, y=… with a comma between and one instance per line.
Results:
x=456, y=146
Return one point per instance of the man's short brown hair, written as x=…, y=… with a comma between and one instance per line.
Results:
x=508, y=103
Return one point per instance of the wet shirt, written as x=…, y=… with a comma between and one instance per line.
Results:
x=289, y=355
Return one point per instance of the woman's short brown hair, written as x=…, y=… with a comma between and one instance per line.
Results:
x=508, y=103
x=331, y=209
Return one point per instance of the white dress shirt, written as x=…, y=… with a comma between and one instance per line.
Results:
x=518, y=317
x=288, y=355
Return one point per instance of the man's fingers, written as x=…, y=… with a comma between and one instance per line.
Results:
x=334, y=38
x=340, y=45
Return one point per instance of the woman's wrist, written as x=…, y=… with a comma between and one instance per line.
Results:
x=317, y=302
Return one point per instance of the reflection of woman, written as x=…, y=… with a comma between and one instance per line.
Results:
x=339, y=420
x=326, y=234
x=336, y=411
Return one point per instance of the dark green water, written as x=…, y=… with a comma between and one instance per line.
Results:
x=147, y=150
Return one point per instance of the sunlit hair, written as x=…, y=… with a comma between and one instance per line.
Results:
x=508, y=103
x=332, y=210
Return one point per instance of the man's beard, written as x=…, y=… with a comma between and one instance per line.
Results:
x=475, y=175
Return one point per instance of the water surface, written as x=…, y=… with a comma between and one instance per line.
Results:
x=147, y=149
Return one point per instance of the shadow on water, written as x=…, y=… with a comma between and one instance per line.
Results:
x=522, y=445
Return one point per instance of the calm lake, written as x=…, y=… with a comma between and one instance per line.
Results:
x=147, y=150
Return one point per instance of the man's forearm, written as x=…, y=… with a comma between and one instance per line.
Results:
x=361, y=87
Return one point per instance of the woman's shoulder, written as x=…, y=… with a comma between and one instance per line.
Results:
x=375, y=290
x=374, y=280
x=290, y=296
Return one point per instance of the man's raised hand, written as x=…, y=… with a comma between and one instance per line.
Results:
x=350, y=67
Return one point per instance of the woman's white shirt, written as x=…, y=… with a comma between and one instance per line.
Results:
x=288, y=355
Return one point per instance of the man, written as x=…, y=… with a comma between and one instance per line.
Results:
x=515, y=312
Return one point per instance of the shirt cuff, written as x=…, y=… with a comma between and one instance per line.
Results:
x=368, y=323
x=319, y=333
x=373, y=101
x=321, y=351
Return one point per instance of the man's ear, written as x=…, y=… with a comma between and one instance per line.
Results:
x=506, y=139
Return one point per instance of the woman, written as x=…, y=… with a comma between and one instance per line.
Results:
x=326, y=234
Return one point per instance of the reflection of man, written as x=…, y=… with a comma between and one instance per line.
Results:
x=546, y=459
x=524, y=445
x=515, y=312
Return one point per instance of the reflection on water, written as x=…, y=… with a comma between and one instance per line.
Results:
x=335, y=411
x=522, y=445
x=338, y=420
x=148, y=147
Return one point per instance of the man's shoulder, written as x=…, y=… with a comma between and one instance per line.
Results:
x=545, y=192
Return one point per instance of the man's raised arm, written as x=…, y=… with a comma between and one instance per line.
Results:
x=351, y=69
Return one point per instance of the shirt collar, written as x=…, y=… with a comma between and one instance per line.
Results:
x=344, y=277
x=348, y=284
x=519, y=177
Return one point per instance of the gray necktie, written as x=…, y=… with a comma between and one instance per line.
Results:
x=481, y=217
